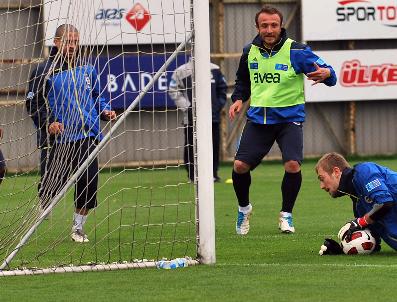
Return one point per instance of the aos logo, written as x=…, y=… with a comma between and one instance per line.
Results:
x=365, y=11
x=355, y=74
x=137, y=17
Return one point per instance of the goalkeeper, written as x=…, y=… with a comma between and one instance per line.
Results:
x=66, y=107
x=371, y=187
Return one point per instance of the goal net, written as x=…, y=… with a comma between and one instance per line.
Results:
x=92, y=141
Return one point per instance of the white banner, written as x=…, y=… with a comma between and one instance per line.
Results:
x=120, y=22
x=362, y=75
x=348, y=19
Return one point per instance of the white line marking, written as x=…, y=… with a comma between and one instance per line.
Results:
x=393, y=266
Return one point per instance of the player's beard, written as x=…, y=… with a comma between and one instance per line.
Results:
x=270, y=41
x=71, y=56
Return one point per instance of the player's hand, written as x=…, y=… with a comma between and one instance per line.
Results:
x=109, y=115
x=319, y=75
x=330, y=247
x=235, y=109
x=349, y=228
x=55, y=128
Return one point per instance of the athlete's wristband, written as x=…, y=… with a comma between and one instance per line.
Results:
x=362, y=222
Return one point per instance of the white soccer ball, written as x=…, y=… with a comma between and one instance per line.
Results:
x=362, y=242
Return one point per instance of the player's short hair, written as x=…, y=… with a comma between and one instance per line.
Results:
x=61, y=29
x=270, y=11
x=330, y=160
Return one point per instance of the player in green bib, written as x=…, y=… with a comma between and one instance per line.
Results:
x=270, y=75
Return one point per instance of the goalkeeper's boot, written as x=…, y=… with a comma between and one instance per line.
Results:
x=285, y=223
x=79, y=236
x=243, y=221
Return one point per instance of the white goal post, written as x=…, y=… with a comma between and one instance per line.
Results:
x=146, y=208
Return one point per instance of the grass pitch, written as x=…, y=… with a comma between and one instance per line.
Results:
x=265, y=265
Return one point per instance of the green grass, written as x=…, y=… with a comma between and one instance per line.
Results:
x=142, y=215
x=262, y=266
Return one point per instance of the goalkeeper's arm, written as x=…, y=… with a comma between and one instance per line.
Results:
x=378, y=212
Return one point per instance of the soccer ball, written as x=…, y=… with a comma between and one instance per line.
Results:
x=362, y=242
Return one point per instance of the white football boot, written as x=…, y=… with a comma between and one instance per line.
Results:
x=79, y=236
x=285, y=223
x=243, y=221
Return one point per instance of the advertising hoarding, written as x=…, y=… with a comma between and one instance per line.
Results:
x=349, y=19
x=117, y=22
x=122, y=78
x=362, y=75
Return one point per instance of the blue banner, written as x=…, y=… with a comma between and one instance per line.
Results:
x=123, y=77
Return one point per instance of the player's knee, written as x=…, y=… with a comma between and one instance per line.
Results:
x=292, y=166
x=240, y=167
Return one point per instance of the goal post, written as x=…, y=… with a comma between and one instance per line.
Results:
x=204, y=133
x=147, y=210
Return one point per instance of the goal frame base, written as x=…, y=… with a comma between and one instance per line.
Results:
x=88, y=268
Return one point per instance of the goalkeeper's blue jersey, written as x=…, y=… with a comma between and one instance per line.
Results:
x=375, y=184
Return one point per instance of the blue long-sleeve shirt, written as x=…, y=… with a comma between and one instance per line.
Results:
x=68, y=95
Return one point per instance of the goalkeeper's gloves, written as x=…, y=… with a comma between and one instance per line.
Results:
x=330, y=247
x=349, y=228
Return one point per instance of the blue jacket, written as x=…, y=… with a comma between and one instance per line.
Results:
x=69, y=95
x=302, y=60
x=372, y=185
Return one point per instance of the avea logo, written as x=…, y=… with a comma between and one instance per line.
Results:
x=355, y=74
x=110, y=14
x=266, y=77
x=362, y=10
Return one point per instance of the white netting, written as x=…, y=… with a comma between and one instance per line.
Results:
x=145, y=202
